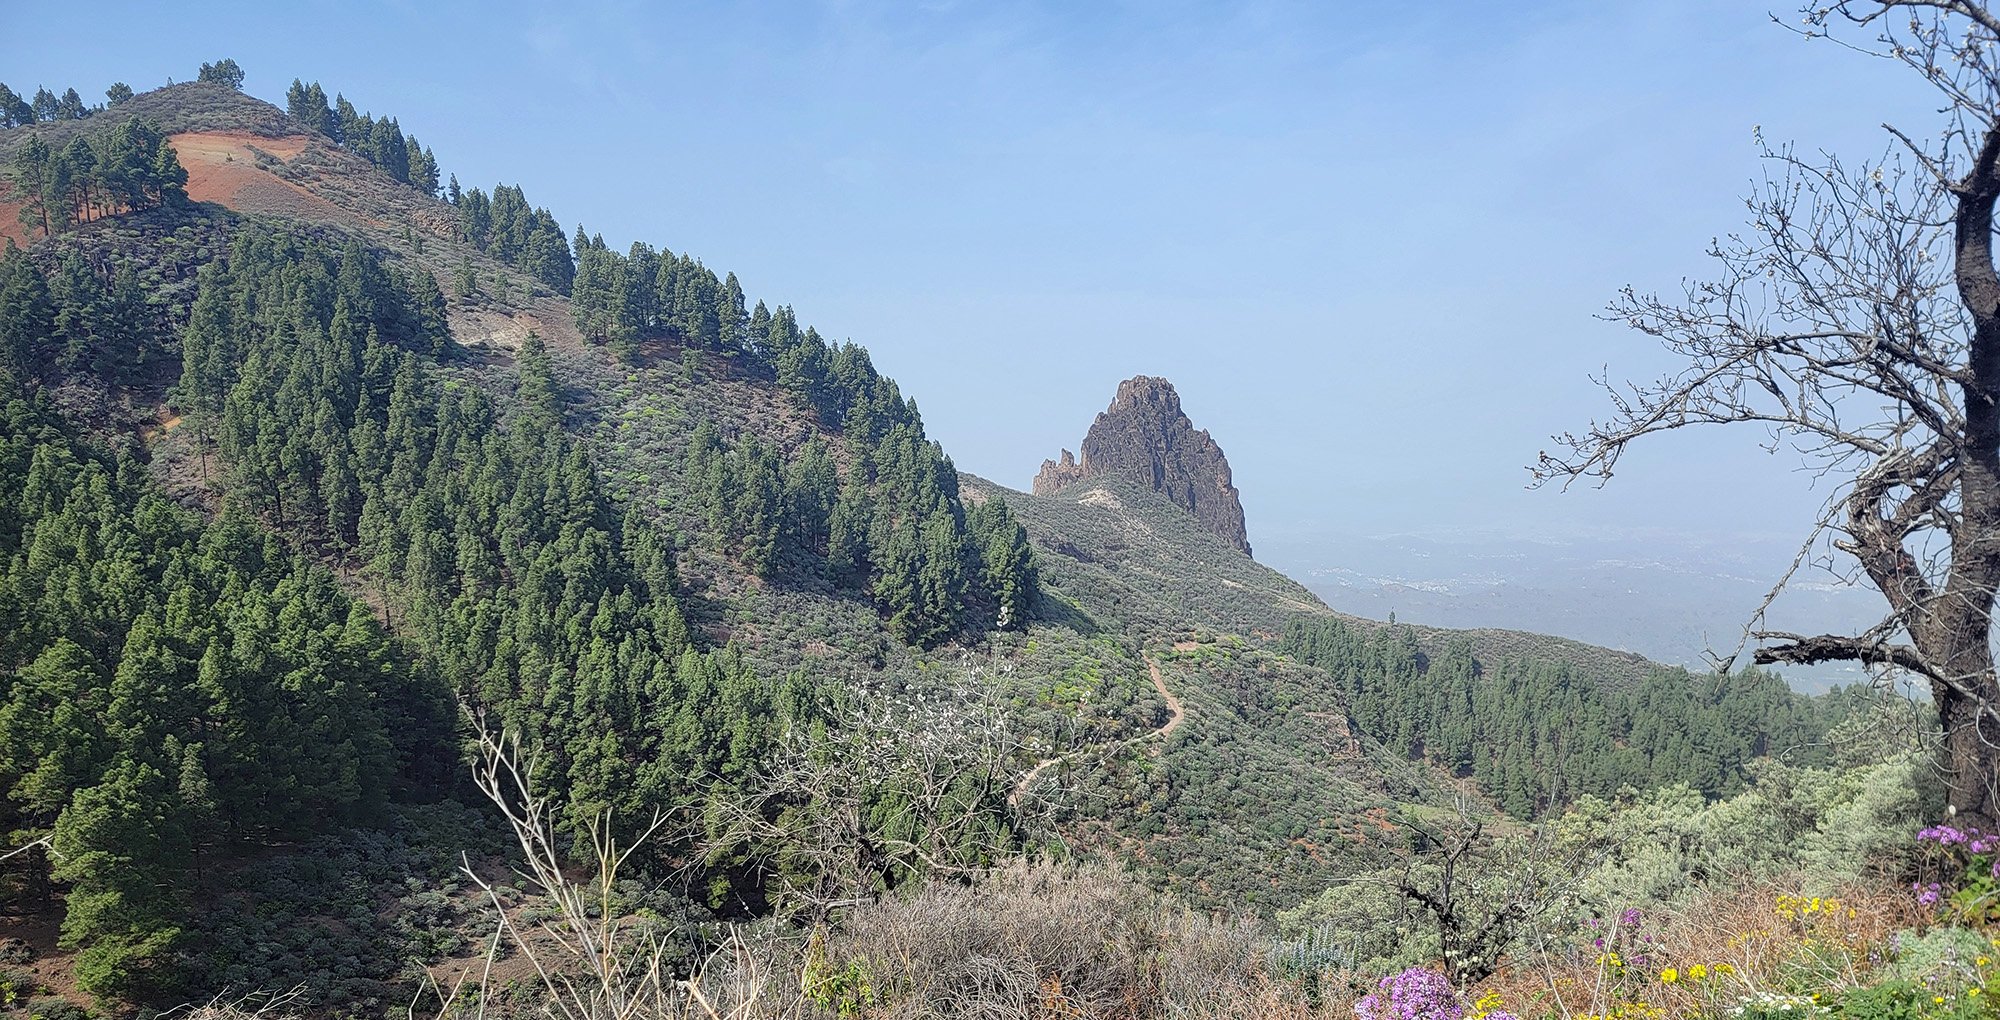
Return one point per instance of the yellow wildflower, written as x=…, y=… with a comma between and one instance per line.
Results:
x=1486, y=1004
x=1669, y=976
x=1698, y=971
x=1724, y=968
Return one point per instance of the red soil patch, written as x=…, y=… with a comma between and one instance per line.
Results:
x=51, y=966
x=222, y=169
x=216, y=146
x=11, y=228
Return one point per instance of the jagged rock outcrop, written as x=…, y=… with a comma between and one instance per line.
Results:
x=1145, y=436
x=1057, y=475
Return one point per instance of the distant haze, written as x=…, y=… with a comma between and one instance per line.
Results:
x=1675, y=598
x=1365, y=242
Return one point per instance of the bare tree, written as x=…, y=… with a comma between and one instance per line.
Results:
x=1483, y=892
x=898, y=787
x=590, y=962
x=1858, y=319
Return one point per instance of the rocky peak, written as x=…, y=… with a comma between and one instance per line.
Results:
x=1146, y=437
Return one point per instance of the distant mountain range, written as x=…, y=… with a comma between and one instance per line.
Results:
x=1666, y=596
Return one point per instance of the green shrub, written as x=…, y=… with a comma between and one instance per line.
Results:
x=1906, y=1000
x=16, y=987
x=57, y=1009
x=1942, y=959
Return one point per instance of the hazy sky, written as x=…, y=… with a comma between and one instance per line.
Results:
x=1366, y=241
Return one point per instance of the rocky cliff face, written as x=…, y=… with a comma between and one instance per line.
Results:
x=1146, y=437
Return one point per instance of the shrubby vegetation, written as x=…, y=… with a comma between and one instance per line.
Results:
x=45, y=106
x=1548, y=922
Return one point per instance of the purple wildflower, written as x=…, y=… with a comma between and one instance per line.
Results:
x=1942, y=835
x=1415, y=994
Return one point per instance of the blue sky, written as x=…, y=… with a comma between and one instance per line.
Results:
x=1365, y=242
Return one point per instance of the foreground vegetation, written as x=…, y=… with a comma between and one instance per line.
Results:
x=1812, y=893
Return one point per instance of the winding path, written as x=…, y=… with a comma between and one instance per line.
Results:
x=1176, y=714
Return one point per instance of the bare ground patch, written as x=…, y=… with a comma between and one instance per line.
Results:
x=224, y=167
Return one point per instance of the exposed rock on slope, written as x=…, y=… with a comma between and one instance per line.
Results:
x=1144, y=436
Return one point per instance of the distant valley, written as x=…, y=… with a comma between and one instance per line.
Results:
x=1665, y=596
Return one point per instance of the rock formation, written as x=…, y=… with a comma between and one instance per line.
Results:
x=1056, y=475
x=1144, y=436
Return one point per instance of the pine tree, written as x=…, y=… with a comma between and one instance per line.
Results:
x=31, y=166
x=222, y=72
x=79, y=163
x=423, y=168
x=123, y=846
x=347, y=129
x=27, y=315
x=14, y=111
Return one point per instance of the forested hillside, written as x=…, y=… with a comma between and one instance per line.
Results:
x=314, y=471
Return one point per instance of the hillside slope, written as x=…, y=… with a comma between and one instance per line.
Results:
x=666, y=549
x=1111, y=549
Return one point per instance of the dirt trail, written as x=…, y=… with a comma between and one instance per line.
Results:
x=1176, y=714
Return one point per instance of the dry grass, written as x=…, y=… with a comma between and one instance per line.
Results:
x=1041, y=941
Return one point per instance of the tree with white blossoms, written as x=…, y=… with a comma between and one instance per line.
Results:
x=1858, y=320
